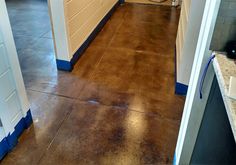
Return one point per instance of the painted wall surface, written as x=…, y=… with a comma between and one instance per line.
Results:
x=13, y=99
x=187, y=37
x=225, y=29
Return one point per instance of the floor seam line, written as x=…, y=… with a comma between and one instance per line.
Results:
x=105, y=105
x=62, y=122
x=96, y=65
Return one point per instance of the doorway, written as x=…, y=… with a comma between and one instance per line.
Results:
x=31, y=26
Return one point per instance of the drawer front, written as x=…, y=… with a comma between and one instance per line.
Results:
x=3, y=59
x=6, y=85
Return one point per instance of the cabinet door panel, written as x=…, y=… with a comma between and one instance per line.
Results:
x=6, y=85
x=3, y=59
x=13, y=108
x=1, y=38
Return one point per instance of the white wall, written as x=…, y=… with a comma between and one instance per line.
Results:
x=13, y=99
x=187, y=37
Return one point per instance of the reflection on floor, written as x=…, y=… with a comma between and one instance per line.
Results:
x=117, y=106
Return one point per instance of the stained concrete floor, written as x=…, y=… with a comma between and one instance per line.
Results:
x=116, y=107
x=154, y=2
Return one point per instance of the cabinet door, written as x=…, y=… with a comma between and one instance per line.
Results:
x=2, y=133
x=4, y=65
x=10, y=109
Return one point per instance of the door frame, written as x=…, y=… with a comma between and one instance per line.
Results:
x=194, y=106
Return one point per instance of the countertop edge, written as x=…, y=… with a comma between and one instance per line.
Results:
x=230, y=109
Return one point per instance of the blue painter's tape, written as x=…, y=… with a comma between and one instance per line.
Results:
x=181, y=89
x=23, y=124
x=64, y=65
x=68, y=65
x=4, y=148
x=8, y=143
x=28, y=119
x=12, y=139
x=174, y=161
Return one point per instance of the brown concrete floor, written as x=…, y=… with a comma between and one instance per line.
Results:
x=154, y=2
x=116, y=107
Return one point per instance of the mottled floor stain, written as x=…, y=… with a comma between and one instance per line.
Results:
x=117, y=106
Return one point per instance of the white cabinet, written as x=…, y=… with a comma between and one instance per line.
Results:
x=3, y=62
x=2, y=133
x=10, y=109
x=15, y=115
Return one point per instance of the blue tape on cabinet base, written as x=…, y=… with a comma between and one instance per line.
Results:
x=174, y=160
x=64, y=65
x=8, y=143
x=4, y=148
x=181, y=89
x=68, y=65
x=28, y=119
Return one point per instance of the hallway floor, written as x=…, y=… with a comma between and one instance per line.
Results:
x=155, y=2
x=116, y=107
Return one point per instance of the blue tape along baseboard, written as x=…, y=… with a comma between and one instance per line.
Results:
x=9, y=142
x=174, y=160
x=64, y=65
x=181, y=89
x=68, y=65
x=4, y=148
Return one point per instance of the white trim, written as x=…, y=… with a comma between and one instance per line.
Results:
x=57, y=13
x=194, y=107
